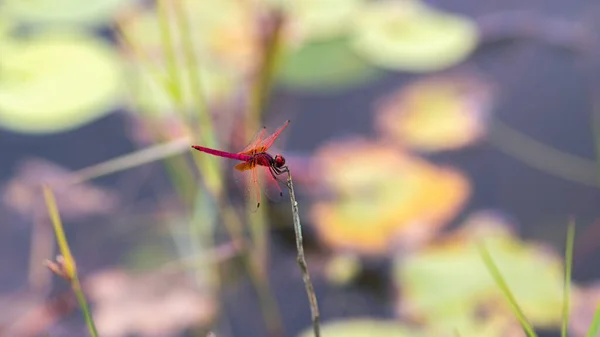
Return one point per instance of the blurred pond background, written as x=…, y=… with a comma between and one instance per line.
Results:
x=417, y=129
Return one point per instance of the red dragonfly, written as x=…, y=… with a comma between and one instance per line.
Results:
x=257, y=166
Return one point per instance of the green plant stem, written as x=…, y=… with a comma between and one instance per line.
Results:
x=175, y=82
x=310, y=291
x=567, y=282
x=203, y=117
x=69, y=267
x=501, y=283
x=271, y=45
x=76, y=286
x=595, y=326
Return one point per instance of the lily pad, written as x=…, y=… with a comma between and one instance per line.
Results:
x=312, y=20
x=361, y=327
x=439, y=113
x=57, y=81
x=449, y=282
x=397, y=204
x=88, y=12
x=411, y=36
x=328, y=66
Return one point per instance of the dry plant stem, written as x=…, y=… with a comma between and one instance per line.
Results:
x=310, y=291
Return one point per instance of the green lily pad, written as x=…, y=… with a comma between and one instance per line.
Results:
x=57, y=81
x=88, y=12
x=325, y=67
x=361, y=327
x=318, y=19
x=449, y=283
x=410, y=36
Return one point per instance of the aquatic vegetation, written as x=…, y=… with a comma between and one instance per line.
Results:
x=57, y=81
x=443, y=112
x=435, y=290
x=400, y=202
x=412, y=36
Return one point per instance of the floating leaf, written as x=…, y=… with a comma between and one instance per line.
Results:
x=311, y=20
x=360, y=327
x=400, y=202
x=57, y=81
x=89, y=12
x=325, y=66
x=449, y=283
x=411, y=36
x=438, y=113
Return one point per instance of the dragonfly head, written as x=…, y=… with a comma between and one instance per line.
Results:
x=278, y=161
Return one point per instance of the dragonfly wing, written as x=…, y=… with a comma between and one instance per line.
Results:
x=271, y=184
x=254, y=142
x=266, y=143
x=246, y=176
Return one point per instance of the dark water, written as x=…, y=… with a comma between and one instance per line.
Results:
x=545, y=93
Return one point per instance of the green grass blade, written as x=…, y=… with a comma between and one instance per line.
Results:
x=63, y=245
x=595, y=326
x=497, y=276
x=567, y=283
x=69, y=262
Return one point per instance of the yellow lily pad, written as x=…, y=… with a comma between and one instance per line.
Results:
x=410, y=36
x=398, y=203
x=448, y=282
x=88, y=12
x=57, y=81
x=439, y=113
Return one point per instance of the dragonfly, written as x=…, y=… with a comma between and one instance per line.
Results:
x=258, y=169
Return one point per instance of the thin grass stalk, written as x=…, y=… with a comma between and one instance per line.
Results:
x=310, y=291
x=67, y=267
x=595, y=326
x=261, y=84
x=501, y=283
x=194, y=77
x=175, y=82
x=231, y=219
x=271, y=45
x=140, y=157
x=567, y=282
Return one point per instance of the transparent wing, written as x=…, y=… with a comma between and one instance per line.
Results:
x=266, y=143
x=246, y=176
x=271, y=185
x=255, y=141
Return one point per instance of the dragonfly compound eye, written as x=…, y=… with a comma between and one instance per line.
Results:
x=279, y=160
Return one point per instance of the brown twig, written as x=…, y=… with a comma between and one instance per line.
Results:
x=310, y=291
